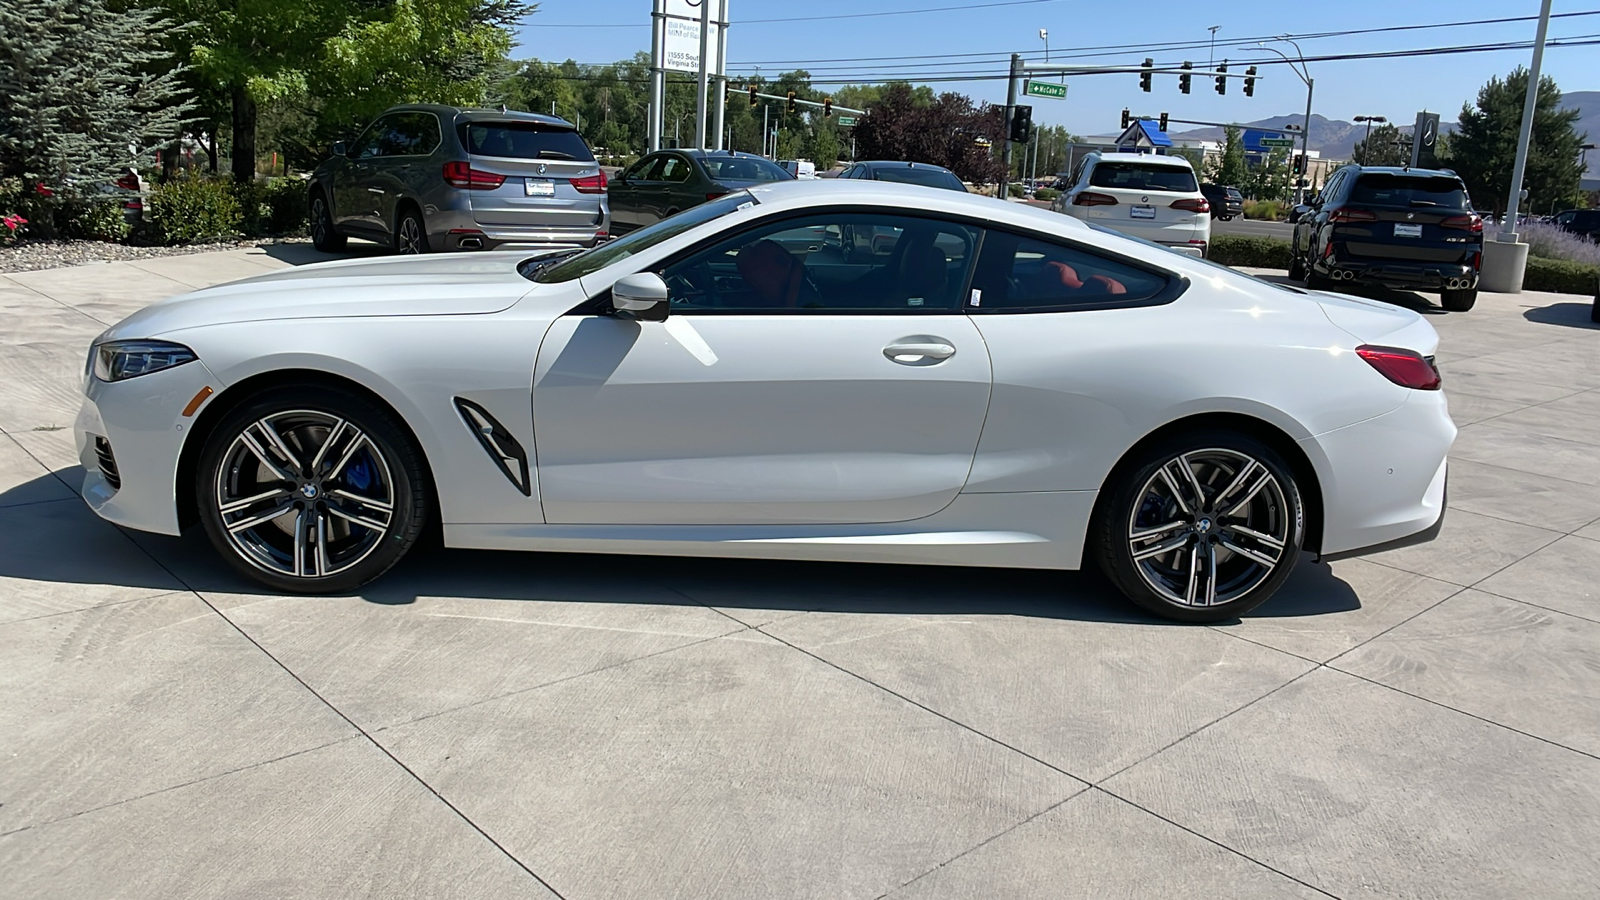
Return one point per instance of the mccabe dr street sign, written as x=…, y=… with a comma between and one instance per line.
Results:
x=1044, y=89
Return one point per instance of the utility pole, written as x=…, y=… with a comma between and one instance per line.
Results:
x=1011, y=109
x=704, y=76
x=722, y=71
x=1305, y=75
x=1505, y=259
x=1211, y=61
x=658, y=76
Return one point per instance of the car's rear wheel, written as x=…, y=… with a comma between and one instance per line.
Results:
x=323, y=235
x=1458, y=301
x=1201, y=527
x=310, y=489
x=410, y=233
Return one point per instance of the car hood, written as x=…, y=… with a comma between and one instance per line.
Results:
x=1373, y=322
x=457, y=284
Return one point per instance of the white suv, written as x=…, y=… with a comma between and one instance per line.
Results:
x=1152, y=197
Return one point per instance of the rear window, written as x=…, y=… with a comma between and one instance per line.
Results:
x=1383, y=189
x=1135, y=176
x=743, y=168
x=934, y=178
x=523, y=140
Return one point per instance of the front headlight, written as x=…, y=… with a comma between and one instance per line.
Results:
x=121, y=360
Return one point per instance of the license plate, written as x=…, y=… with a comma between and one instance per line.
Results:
x=1408, y=231
x=1143, y=212
x=539, y=187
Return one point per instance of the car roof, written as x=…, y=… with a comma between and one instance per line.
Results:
x=845, y=192
x=477, y=114
x=1405, y=170
x=900, y=164
x=1176, y=162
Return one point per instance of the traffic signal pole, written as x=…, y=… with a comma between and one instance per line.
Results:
x=1011, y=109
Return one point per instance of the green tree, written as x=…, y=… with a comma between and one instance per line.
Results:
x=79, y=96
x=1229, y=167
x=1268, y=179
x=1385, y=147
x=1483, y=150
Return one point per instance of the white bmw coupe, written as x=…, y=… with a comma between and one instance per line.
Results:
x=988, y=385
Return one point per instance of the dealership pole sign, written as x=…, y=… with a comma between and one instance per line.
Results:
x=681, y=48
x=689, y=36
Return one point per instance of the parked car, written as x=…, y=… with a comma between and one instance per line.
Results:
x=1226, y=202
x=667, y=182
x=1052, y=395
x=1581, y=222
x=1410, y=229
x=1156, y=198
x=803, y=169
x=924, y=174
x=425, y=177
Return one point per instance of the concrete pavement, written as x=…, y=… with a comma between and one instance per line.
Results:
x=1422, y=723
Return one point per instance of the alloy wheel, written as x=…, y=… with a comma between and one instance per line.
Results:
x=319, y=222
x=304, y=494
x=1209, y=527
x=410, y=235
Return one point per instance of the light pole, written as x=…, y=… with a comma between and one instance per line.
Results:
x=1367, y=142
x=1044, y=35
x=1305, y=75
x=1212, y=60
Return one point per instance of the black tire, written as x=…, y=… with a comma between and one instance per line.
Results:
x=313, y=533
x=1458, y=301
x=323, y=235
x=1227, y=581
x=410, y=232
x=1297, y=268
x=1316, y=281
x=1594, y=311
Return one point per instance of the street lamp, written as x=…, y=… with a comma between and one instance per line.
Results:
x=1366, y=142
x=1213, y=57
x=1305, y=75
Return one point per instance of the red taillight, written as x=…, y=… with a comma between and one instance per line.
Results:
x=1200, y=205
x=459, y=174
x=1406, y=368
x=715, y=194
x=591, y=184
x=1353, y=215
x=1090, y=198
x=1470, y=223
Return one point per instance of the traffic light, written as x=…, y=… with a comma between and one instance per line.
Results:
x=753, y=100
x=790, y=106
x=1299, y=163
x=1022, y=124
x=1183, y=79
x=1222, y=80
x=1127, y=118
x=1163, y=123
x=827, y=107
x=1144, y=77
x=1250, y=82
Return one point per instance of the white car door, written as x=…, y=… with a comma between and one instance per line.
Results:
x=787, y=386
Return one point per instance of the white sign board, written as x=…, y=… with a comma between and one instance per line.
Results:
x=681, y=52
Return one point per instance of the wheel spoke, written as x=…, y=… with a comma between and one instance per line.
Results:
x=368, y=502
x=1194, y=575
x=333, y=437
x=1163, y=547
x=300, y=544
x=1238, y=482
x=1263, y=481
x=364, y=521
x=1182, y=462
x=356, y=441
x=260, y=518
x=1148, y=533
x=1249, y=554
x=1267, y=539
x=277, y=441
x=322, y=544
x=1176, y=493
x=242, y=504
x=1211, y=574
x=261, y=454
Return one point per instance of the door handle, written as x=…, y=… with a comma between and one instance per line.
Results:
x=922, y=352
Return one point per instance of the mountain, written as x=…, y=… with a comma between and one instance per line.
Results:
x=1336, y=139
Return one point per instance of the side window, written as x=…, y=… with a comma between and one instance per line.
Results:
x=829, y=262
x=674, y=169
x=368, y=145
x=409, y=134
x=1024, y=274
x=638, y=171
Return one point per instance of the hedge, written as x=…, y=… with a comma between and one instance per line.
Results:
x=194, y=210
x=1559, y=276
x=1255, y=252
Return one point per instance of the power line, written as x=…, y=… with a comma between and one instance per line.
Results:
x=871, y=15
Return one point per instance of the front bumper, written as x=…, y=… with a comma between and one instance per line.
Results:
x=143, y=428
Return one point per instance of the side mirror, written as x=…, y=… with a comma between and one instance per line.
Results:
x=338, y=148
x=640, y=297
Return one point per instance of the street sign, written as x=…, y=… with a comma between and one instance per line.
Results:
x=1277, y=142
x=846, y=121
x=1033, y=88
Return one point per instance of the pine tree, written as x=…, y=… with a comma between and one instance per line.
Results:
x=1483, y=151
x=1386, y=147
x=84, y=91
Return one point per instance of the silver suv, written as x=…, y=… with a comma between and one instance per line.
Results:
x=422, y=178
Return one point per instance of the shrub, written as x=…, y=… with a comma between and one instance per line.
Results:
x=194, y=210
x=1046, y=194
x=1264, y=209
x=1561, y=276
x=277, y=206
x=1013, y=189
x=1255, y=252
x=1552, y=242
x=102, y=220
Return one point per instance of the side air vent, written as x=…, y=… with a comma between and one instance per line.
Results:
x=499, y=443
x=108, y=463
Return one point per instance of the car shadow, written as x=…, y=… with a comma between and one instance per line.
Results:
x=71, y=546
x=299, y=254
x=1408, y=299
x=1572, y=315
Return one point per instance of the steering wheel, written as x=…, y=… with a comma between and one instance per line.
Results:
x=693, y=286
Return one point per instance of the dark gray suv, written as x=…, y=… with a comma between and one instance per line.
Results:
x=424, y=177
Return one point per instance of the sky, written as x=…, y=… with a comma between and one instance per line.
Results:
x=599, y=31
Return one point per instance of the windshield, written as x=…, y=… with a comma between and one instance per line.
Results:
x=1136, y=176
x=589, y=261
x=743, y=168
x=1380, y=189
x=523, y=140
x=934, y=178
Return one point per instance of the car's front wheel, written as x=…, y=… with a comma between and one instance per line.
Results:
x=311, y=489
x=323, y=235
x=1201, y=527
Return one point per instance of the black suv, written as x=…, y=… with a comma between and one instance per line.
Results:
x=1226, y=202
x=1410, y=229
x=1581, y=222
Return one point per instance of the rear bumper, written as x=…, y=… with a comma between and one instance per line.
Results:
x=1427, y=276
x=497, y=237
